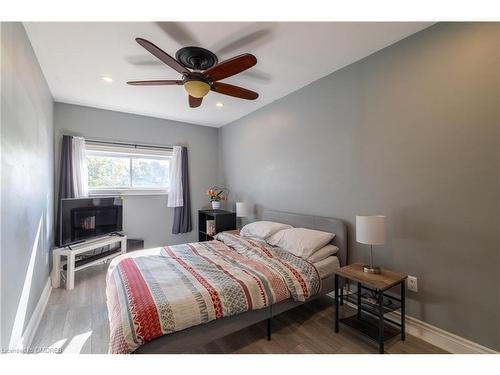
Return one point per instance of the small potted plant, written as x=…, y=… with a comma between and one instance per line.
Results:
x=216, y=195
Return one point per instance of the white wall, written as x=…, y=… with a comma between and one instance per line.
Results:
x=26, y=181
x=147, y=217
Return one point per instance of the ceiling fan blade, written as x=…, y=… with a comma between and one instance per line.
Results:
x=246, y=38
x=256, y=74
x=236, y=91
x=179, y=32
x=163, y=56
x=144, y=61
x=231, y=67
x=156, y=82
x=194, y=102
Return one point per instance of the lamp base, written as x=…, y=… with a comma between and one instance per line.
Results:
x=371, y=269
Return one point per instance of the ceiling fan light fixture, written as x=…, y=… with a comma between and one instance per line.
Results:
x=197, y=88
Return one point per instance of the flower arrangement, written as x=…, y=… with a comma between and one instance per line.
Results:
x=216, y=194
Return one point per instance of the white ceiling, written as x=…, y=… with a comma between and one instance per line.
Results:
x=74, y=56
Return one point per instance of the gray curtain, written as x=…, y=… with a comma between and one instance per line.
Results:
x=182, y=215
x=66, y=188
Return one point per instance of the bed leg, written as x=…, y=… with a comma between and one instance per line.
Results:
x=269, y=329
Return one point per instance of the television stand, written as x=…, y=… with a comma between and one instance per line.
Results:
x=70, y=253
x=117, y=234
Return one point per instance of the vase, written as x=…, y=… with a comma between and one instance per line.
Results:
x=216, y=205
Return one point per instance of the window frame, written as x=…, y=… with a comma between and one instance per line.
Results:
x=130, y=152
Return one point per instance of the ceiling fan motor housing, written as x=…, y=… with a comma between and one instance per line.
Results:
x=196, y=58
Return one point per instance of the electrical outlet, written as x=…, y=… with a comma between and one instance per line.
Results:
x=412, y=283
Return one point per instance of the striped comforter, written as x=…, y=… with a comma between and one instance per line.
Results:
x=155, y=292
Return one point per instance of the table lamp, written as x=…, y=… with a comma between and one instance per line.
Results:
x=241, y=211
x=370, y=230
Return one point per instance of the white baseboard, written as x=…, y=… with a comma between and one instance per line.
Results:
x=437, y=336
x=441, y=338
x=36, y=317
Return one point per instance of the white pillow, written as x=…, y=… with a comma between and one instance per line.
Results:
x=300, y=241
x=262, y=229
x=323, y=253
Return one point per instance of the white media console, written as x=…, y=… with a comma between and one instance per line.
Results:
x=77, y=249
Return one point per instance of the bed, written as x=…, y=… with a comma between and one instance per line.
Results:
x=301, y=281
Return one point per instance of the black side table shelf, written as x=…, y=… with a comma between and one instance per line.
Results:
x=224, y=220
x=372, y=303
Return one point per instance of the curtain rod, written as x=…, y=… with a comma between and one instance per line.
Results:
x=135, y=145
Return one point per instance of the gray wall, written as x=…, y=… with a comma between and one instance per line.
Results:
x=411, y=132
x=147, y=217
x=27, y=182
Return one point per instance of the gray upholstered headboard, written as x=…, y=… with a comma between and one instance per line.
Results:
x=326, y=224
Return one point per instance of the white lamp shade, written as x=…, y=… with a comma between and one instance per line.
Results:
x=370, y=230
x=241, y=209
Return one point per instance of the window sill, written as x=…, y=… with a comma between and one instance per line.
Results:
x=127, y=193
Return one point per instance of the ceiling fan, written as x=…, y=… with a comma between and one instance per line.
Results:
x=201, y=72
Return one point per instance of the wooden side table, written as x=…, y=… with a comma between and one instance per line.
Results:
x=369, y=318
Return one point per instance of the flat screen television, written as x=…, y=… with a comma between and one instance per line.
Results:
x=85, y=218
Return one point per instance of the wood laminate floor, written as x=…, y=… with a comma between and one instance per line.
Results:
x=77, y=322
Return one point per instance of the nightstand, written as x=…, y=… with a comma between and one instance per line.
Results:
x=372, y=302
x=223, y=221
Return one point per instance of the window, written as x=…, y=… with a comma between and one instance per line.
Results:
x=127, y=169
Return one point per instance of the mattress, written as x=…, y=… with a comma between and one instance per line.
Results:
x=327, y=266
